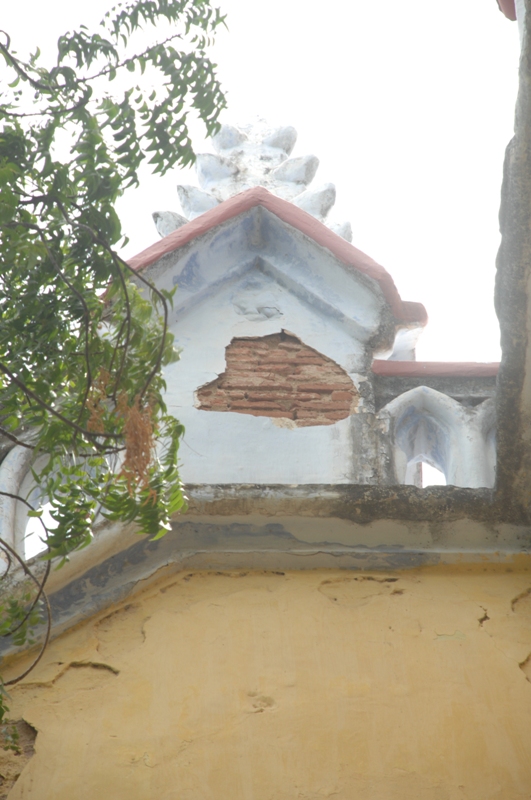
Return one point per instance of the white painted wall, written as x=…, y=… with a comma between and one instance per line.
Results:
x=226, y=447
x=254, y=276
x=432, y=427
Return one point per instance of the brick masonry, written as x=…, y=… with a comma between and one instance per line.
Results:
x=279, y=376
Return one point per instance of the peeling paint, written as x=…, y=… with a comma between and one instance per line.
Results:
x=265, y=684
x=522, y=597
x=525, y=666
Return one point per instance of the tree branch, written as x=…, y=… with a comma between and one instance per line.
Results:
x=14, y=439
x=27, y=391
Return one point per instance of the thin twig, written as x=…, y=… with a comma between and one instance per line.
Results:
x=9, y=565
x=10, y=552
x=151, y=287
x=29, y=393
x=126, y=61
x=118, y=337
x=117, y=261
x=158, y=364
x=127, y=320
x=41, y=593
x=86, y=317
x=43, y=647
x=16, y=64
x=14, y=439
x=25, y=502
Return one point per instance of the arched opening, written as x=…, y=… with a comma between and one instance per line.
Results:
x=424, y=441
x=431, y=476
x=422, y=473
x=34, y=535
x=435, y=429
x=29, y=532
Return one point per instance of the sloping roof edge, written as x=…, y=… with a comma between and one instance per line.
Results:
x=440, y=369
x=405, y=312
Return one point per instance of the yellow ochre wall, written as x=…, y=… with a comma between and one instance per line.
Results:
x=304, y=685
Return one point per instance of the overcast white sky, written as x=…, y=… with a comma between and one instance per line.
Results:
x=409, y=107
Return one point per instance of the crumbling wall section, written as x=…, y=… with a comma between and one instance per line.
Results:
x=280, y=376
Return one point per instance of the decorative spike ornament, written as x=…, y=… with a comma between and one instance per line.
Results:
x=168, y=221
x=256, y=155
x=282, y=138
x=213, y=170
x=317, y=202
x=343, y=229
x=194, y=202
x=228, y=138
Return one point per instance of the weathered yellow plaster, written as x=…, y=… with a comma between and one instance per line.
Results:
x=267, y=686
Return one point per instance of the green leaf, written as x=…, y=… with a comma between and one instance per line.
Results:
x=79, y=343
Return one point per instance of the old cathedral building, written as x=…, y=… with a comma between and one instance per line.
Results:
x=320, y=623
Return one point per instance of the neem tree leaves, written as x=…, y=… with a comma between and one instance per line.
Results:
x=81, y=346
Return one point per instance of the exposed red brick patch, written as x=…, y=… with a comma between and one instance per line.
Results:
x=279, y=376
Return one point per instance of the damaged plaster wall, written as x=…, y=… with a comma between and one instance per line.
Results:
x=307, y=684
x=241, y=448
x=278, y=376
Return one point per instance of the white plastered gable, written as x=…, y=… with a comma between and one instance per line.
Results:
x=252, y=276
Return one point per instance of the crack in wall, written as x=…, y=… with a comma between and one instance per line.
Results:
x=484, y=618
x=235, y=695
x=519, y=597
x=121, y=621
x=346, y=591
x=93, y=665
x=97, y=665
x=143, y=628
x=360, y=578
x=525, y=666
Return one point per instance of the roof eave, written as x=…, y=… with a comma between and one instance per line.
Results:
x=406, y=313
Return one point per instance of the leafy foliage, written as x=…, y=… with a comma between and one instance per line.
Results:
x=82, y=340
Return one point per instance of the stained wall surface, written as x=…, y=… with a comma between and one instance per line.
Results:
x=314, y=684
